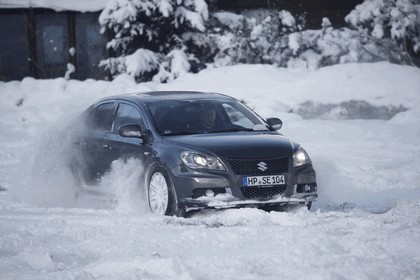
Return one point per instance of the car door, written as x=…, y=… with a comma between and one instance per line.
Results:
x=119, y=147
x=93, y=143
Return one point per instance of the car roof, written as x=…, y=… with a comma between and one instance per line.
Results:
x=154, y=96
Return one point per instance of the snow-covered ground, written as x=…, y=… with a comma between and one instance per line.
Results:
x=365, y=224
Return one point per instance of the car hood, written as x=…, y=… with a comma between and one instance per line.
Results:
x=236, y=145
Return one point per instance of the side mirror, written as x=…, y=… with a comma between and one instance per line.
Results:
x=275, y=123
x=130, y=130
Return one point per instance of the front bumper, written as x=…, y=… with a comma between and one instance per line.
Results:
x=191, y=187
x=223, y=201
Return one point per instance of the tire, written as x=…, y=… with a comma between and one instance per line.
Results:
x=161, y=195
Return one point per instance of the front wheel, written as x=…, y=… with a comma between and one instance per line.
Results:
x=161, y=195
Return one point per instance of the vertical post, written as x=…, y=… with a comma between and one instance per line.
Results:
x=71, y=29
x=32, y=55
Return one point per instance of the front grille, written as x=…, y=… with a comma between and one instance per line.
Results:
x=263, y=192
x=250, y=166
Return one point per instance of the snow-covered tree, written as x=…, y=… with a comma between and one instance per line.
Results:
x=398, y=20
x=328, y=46
x=161, y=40
x=279, y=40
x=244, y=40
x=145, y=32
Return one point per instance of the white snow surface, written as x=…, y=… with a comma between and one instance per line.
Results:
x=365, y=224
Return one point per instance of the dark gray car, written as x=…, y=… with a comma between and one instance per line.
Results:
x=198, y=150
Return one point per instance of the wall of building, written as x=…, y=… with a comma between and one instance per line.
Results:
x=40, y=43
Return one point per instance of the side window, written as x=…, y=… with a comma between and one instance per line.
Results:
x=14, y=60
x=103, y=116
x=127, y=114
x=52, y=44
x=90, y=46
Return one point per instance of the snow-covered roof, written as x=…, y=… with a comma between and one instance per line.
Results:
x=57, y=5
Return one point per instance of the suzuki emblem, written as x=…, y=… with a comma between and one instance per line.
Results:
x=262, y=166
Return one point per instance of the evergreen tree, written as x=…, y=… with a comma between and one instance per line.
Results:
x=149, y=32
x=398, y=20
x=161, y=40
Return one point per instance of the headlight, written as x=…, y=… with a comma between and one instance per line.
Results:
x=300, y=157
x=195, y=160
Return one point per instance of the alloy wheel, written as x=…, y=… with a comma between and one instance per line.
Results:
x=158, y=194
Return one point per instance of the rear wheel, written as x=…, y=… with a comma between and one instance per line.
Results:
x=161, y=195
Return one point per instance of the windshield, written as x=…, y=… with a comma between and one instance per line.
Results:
x=176, y=117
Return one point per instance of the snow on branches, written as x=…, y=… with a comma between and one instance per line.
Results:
x=282, y=40
x=161, y=40
x=395, y=19
x=153, y=25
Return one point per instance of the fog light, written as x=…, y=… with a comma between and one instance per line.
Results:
x=210, y=193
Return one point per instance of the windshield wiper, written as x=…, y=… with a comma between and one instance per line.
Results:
x=180, y=133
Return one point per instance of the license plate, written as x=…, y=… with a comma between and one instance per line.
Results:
x=263, y=180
